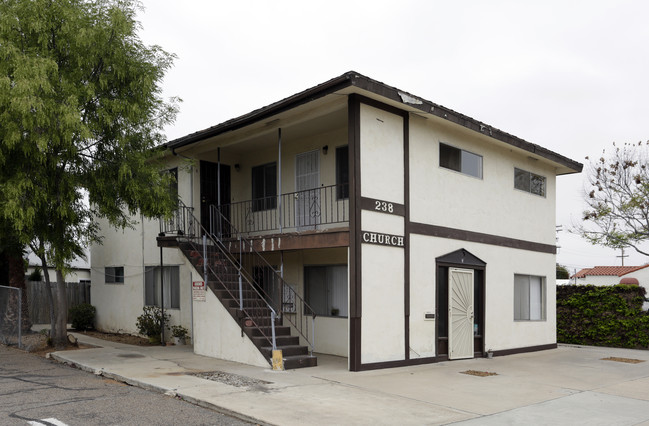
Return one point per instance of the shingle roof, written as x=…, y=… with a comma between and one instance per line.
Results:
x=354, y=79
x=607, y=270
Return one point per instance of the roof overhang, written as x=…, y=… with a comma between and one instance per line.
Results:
x=353, y=82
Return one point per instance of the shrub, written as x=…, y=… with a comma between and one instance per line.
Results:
x=602, y=316
x=148, y=324
x=36, y=275
x=82, y=316
x=179, y=331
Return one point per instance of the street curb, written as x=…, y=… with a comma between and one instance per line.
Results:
x=168, y=392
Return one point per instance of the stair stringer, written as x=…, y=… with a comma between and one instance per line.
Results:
x=217, y=334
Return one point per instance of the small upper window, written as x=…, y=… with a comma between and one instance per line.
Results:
x=114, y=274
x=529, y=182
x=460, y=160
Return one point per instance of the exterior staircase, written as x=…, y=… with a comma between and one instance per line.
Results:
x=234, y=285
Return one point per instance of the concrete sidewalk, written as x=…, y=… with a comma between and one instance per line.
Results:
x=568, y=385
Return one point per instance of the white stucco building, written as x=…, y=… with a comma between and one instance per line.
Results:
x=414, y=233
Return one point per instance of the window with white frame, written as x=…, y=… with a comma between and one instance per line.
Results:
x=460, y=160
x=529, y=298
x=326, y=290
x=170, y=282
x=114, y=274
x=529, y=182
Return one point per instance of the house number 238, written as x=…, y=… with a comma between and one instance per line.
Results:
x=383, y=206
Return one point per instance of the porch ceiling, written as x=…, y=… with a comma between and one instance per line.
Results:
x=320, y=116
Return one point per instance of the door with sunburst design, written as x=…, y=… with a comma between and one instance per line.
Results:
x=460, y=313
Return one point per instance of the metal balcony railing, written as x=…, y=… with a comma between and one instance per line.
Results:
x=290, y=212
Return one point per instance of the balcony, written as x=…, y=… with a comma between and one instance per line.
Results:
x=319, y=209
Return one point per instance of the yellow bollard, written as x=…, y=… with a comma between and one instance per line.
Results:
x=278, y=360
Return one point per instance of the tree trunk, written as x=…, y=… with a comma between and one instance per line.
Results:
x=60, y=338
x=17, y=279
x=50, y=298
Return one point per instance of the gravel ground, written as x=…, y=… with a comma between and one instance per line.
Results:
x=230, y=379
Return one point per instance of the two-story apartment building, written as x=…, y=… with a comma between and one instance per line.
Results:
x=358, y=220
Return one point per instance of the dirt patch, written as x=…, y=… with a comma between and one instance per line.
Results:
x=625, y=360
x=478, y=373
x=36, y=343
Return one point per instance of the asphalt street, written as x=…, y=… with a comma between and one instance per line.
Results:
x=37, y=391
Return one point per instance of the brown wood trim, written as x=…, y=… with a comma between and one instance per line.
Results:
x=406, y=230
x=302, y=241
x=525, y=349
x=370, y=204
x=479, y=237
x=355, y=277
x=400, y=363
x=380, y=105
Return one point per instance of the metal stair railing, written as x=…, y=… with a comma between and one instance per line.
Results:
x=282, y=296
x=218, y=264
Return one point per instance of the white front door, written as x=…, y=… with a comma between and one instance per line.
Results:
x=307, y=182
x=460, y=313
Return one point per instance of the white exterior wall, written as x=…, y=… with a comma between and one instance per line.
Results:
x=119, y=305
x=490, y=205
x=601, y=280
x=382, y=178
x=218, y=335
x=501, y=331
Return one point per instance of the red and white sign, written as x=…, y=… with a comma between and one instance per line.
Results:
x=198, y=291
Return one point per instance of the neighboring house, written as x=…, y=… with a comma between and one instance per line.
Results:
x=602, y=275
x=612, y=275
x=77, y=274
x=79, y=269
x=416, y=234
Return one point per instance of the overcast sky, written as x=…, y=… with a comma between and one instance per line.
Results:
x=570, y=76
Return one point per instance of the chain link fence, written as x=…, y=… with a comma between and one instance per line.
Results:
x=10, y=316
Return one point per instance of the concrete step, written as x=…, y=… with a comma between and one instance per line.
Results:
x=300, y=361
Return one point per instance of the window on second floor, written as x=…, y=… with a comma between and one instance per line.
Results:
x=460, y=160
x=342, y=172
x=264, y=187
x=529, y=182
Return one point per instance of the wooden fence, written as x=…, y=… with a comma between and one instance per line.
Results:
x=39, y=308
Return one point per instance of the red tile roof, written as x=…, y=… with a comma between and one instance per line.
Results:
x=607, y=270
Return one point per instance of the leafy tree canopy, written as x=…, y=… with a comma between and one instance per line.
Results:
x=81, y=115
x=618, y=198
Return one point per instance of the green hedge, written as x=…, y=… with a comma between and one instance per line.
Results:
x=602, y=316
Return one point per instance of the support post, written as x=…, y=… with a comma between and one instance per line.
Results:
x=240, y=280
x=279, y=179
x=20, y=318
x=205, y=258
x=218, y=189
x=162, y=301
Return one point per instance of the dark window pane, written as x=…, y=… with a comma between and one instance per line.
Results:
x=264, y=187
x=449, y=157
x=522, y=180
x=537, y=185
x=342, y=172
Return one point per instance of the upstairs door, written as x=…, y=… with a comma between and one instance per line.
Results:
x=307, y=197
x=460, y=313
x=210, y=192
